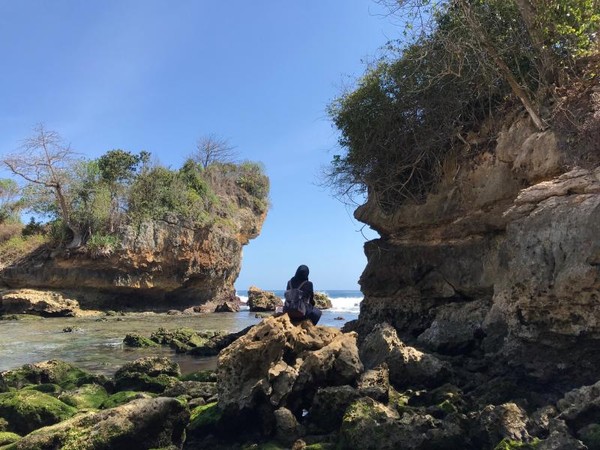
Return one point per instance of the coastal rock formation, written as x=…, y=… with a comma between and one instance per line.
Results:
x=43, y=303
x=322, y=301
x=260, y=301
x=501, y=258
x=158, y=265
x=277, y=364
x=143, y=423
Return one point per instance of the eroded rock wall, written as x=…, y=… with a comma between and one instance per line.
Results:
x=158, y=265
x=502, y=257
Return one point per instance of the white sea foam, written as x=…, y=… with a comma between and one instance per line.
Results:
x=345, y=304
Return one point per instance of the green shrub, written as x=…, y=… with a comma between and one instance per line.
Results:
x=102, y=244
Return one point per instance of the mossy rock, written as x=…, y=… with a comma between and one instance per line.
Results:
x=28, y=410
x=138, y=341
x=88, y=396
x=202, y=375
x=204, y=419
x=143, y=424
x=7, y=437
x=46, y=388
x=179, y=337
x=66, y=375
x=322, y=301
x=509, y=444
x=141, y=382
x=120, y=398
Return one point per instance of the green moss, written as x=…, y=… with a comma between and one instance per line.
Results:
x=143, y=382
x=57, y=372
x=509, y=444
x=6, y=437
x=204, y=418
x=138, y=341
x=85, y=397
x=47, y=388
x=398, y=400
x=320, y=446
x=120, y=398
x=28, y=410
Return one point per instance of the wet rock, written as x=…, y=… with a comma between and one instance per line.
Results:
x=322, y=301
x=277, y=364
x=43, y=303
x=144, y=423
x=151, y=374
x=216, y=343
x=53, y=371
x=138, y=341
x=228, y=307
x=204, y=420
x=28, y=410
x=259, y=300
x=407, y=366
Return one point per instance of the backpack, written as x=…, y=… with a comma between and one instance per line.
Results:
x=295, y=303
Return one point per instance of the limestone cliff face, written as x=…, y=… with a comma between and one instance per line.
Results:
x=158, y=265
x=504, y=255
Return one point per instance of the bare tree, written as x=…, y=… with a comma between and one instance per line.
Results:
x=212, y=149
x=43, y=160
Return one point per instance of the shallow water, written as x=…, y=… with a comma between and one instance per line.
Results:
x=97, y=346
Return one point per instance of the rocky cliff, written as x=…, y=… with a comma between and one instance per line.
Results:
x=165, y=264
x=502, y=257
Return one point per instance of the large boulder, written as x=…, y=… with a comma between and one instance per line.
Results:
x=408, y=367
x=259, y=300
x=278, y=364
x=43, y=303
x=54, y=371
x=27, y=410
x=322, y=301
x=144, y=424
x=152, y=374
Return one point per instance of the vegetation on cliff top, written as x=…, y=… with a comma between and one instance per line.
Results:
x=447, y=86
x=89, y=201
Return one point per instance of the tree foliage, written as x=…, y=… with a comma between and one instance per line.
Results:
x=88, y=201
x=10, y=203
x=465, y=62
x=44, y=160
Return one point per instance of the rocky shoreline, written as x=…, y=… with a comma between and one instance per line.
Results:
x=281, y=386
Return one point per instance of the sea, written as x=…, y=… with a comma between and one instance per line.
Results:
x=96, y=344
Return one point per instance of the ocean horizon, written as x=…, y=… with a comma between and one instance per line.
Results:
x=342, y=300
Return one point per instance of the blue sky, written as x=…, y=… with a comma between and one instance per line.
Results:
x=156, y=75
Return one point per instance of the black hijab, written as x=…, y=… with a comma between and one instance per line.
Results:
x=301, y=275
